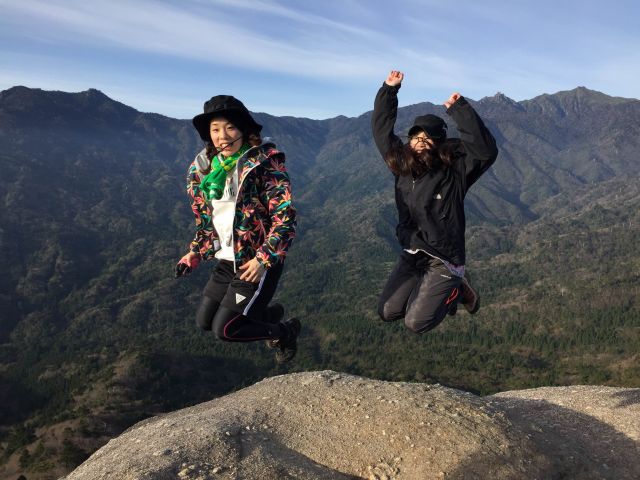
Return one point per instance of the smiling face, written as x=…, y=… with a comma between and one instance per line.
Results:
x=225, y=136
x=420, y=143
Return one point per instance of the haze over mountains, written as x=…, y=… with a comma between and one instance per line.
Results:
x=96, y=334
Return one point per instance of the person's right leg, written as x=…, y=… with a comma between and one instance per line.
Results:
x=404, y=277
x=206, y=311
x=213, y=293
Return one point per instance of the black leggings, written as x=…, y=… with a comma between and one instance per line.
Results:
x=236, y=310
x=420, y=289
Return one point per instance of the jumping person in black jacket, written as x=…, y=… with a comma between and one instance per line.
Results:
x=432, y=176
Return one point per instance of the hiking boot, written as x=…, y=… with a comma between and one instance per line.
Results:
x=273, y=314
x=288, y=345
x=453, y=301
x=470, y=298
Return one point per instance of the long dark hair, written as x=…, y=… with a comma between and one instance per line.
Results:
x=402, y=160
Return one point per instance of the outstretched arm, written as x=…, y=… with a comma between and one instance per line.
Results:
x=385, y=110
x=479, y=144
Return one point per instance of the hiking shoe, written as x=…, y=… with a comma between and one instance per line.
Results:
x=470, y=298
x=288, y=345
x=273, y=314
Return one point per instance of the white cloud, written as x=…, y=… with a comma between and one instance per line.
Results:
x=277, y=9
x=162, y=29
x=261, y=48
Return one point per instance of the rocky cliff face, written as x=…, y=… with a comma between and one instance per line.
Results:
x=327, y=425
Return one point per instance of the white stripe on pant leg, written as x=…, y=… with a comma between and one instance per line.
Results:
x=255, y=295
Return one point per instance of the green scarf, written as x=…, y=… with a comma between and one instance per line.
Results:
x=212, y=185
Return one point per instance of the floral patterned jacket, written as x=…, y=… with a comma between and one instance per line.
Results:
x=265, y=220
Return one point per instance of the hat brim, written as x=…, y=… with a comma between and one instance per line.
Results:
x=241, y=120
x=424, y=129
x=415, y=129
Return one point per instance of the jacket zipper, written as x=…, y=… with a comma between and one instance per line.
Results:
x=412, y=196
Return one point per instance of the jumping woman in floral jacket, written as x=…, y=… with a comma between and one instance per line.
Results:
x=241, y=198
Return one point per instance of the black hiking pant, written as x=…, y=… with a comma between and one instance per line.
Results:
x=420, y=289
x=237, y=311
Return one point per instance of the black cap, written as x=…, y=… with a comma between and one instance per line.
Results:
x=230, y=108
x=432, y=125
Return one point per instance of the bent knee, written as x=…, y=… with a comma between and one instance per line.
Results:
x=388, y=313
x=206, y=311
x=224, y=326
x=203, y=323
x=219, y=333
x=420, y=324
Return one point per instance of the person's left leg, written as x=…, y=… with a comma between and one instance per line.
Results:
x=470, y=299
x=430, y=300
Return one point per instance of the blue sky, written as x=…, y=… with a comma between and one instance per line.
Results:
x=317, y=59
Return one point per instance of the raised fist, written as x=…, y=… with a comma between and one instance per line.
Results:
x=394, y=78
x=452, y=99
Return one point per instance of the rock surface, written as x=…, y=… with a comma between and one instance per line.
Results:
x=328, y=425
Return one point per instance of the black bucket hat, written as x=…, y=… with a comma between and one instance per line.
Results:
x=432, y=125
x=230, y=108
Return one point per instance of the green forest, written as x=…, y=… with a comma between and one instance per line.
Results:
x=96, y=334
x=559, y=307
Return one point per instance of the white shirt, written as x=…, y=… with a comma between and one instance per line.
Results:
x=224, y=211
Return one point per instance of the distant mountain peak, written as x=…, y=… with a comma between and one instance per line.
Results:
x=583, y=91
x=94, y=92
x=19, y=88
x=18, y=91
x=500, y=99
x=576, y=99
x=31, y=106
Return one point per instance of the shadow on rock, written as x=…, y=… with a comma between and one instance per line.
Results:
x=577, y=446
x=628, y=397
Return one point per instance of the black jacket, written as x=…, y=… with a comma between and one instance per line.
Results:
x=431, y=206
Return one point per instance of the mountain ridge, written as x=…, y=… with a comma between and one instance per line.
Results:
x=92, y=95
x=95, y=334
